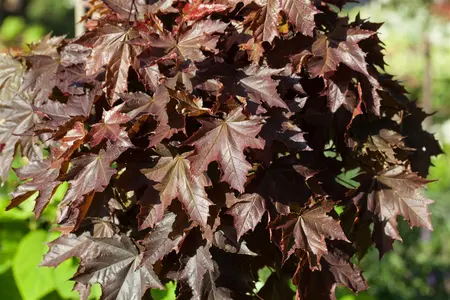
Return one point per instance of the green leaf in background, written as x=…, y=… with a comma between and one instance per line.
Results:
x=32, y=282
x=168, y=294
x=346, y=178
x=11, y=233
x=8, y=288
x=61, y=276
x=263, y=275
x=11, y=27
x=33, y=33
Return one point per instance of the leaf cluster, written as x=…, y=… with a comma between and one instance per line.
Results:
x=204, y=140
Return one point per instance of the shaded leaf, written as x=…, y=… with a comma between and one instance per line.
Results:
x=247, y=212
x=396, y=191
x=309, y=230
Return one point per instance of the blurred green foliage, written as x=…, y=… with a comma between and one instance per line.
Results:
x=39, y=18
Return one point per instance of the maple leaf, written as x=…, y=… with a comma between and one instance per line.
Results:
x=111, y=48
x=201, y=272
x=152, y=208
x=198, y=10
x=150, y=76
x=254, y=50
x=114, y=262
x=11, y=72
x=69, y=143
x=224, y=141
x=336, y=269
x=278, y=127
x=74, y=54
x=158, y=244
x=261, y=87
x=266, y=22
x=140, y=104
x=55, y=114
x=175, y=181
x=424, y=142
x=385, y=142
x=188, y=104
x=140, y=8
x=385, y=232
x=188, y=44
x=247, y=212
x=16, y=117
x=301, y=14
x=93, y=173
x=110, y=127
x=182, y=79
x=309, y=230
x=396, y=191
x=41, y=176
x=337, y=90
x=340, y=46
x=226, y=239
x=47, y=45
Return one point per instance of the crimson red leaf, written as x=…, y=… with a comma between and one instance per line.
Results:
x=247, y=212
x=336, y=269
x=175, y=181
x=198, y=10
x=225, y=141
x=110, y=127
x=17, y=117
x=188, y=44
x=111, y=48
x=43, y=178
x=94, y=173
x=301, y=14
x=267, y=21
x=69, y=143
x=158, y=244
x=261, y=87
x=340, y=46
x=141, y=104
x=200, y=273
x=396, y=191
x=309, y=230
x=112, y=262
